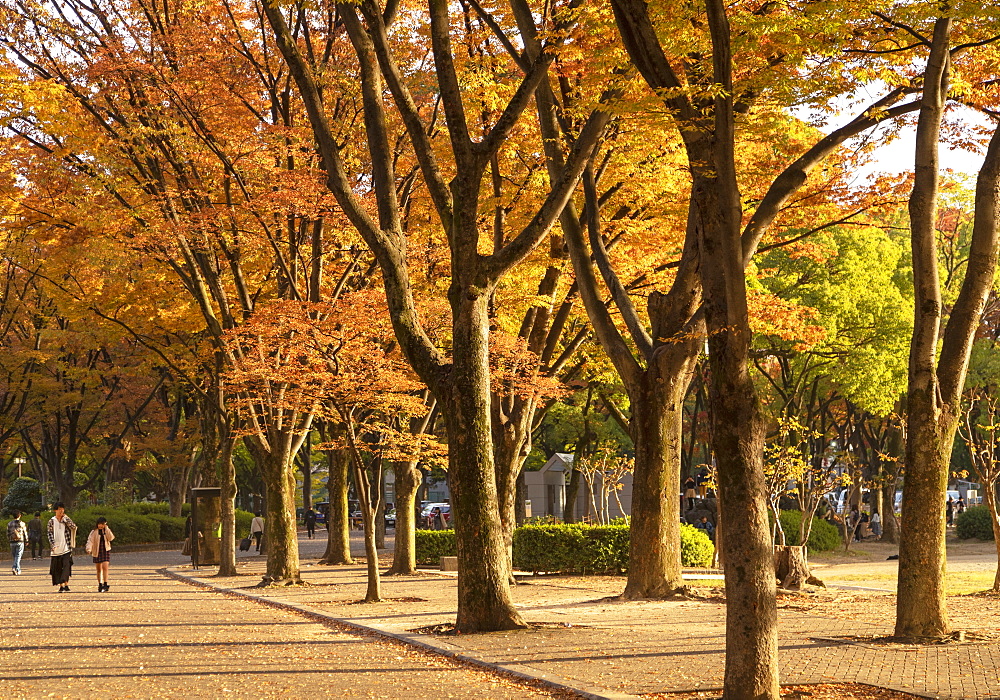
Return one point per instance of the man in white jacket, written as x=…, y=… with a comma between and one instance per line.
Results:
x=62, y=540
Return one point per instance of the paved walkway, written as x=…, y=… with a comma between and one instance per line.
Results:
x=153, y=636
x=156, y=636
x=605, y=648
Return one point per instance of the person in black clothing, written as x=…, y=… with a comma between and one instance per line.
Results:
x=310, y=519
x=949, y=510
x=35, y=536
x=862, y=526
x=689, y=491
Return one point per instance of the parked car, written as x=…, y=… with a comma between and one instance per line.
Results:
x=432, y=514
x=390, y=518
x=322, y=511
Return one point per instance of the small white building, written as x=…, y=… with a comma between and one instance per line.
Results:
x=545, y=489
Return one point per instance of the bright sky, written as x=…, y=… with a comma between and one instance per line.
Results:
x=897, y=156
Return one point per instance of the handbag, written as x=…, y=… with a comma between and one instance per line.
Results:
x=186, y=549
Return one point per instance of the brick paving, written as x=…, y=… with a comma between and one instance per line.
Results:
x=152, y=636
x=196, y=643
x=609, y=648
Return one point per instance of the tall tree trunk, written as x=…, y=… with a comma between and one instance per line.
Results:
x=280, y=532
x=484, y=601
x=338, y=541
x=227, y=482
x=990, y=496
x=307, y=480
x=737, y=424
x=657, y=430
x=404, y=556
x=572, y=495
x=369, y=509
x=511, y=443
x=380, y=512
x=921, y=609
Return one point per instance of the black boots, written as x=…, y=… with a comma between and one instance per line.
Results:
x=103, y=587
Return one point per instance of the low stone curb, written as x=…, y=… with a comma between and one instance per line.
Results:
x=419, y=641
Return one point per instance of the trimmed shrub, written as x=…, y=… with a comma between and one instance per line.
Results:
x=25, y=517
x=25, y=495
x=147, y=508
x=974, y=522
x=550, y=548
x=696, y=546
x=822, y=538
x=431, y=545
x=171, y=529
x=129, y=528
x=595, y=549
x=243, y=519
x=153, y=524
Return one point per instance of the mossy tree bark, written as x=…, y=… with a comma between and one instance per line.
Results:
x=274, y=457
x=404, y=556
x=461, y=383
x=938, y=360
x=338, y=540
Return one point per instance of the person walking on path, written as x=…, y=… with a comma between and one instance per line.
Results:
x=257, y=529
x=62, y=540
x=876, y=525
x=35, y=535
x=99, y=547
x=949, y=510
x=960, y=506
x=310, y=519
x=17, y=535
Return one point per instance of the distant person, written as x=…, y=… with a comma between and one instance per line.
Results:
x=876, y=525
x=689, y=491
x=949, y=510
x=706, y=526
x=853, y=521
x=862, y=530
x=62, y=540
x=959, y=506
x=702, y=480
x=257, y=529
x=310, y=519
x=17, y=535
x=99, y=547
x=35, y=536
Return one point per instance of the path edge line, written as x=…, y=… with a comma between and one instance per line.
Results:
x=424, y=642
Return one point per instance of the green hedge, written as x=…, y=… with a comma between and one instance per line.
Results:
x=171, y=529
x=974, y=522
x=129, y=528
x=696, y=547
x=243, y=519
x=434, y=544
x=823, y=537
x=139, y=523
x=565, y=548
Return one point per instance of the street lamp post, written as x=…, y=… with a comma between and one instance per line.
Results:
x=19, y=461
